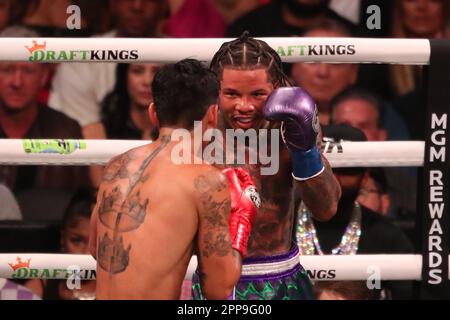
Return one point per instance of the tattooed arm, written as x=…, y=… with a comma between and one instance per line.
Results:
x=321, y=194
x=111, y=170
x=219, y=264
x=116, y=167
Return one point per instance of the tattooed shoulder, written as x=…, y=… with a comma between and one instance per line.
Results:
x=210, y=181
x=117, y=167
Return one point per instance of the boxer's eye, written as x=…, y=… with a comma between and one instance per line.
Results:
x=259, y=94
x=76, y=240
x=231, y=94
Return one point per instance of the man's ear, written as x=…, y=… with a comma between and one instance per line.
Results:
x=152, y=115
x=211, y=116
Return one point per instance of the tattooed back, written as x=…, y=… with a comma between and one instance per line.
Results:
x=145, y=223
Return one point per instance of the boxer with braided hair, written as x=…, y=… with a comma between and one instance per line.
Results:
x=256, y=94
x=247, y=53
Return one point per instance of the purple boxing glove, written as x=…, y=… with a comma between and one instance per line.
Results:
x=300, y=126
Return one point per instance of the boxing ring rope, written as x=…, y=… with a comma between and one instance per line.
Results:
x=290, y=49
x=320, y=268
x=99, y=152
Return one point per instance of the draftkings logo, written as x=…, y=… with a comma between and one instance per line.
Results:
x=316, y=50
x=321, y=274
x=39, y=53
x=20, y=264
x=22, y=270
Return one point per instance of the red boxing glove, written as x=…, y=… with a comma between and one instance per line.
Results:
x=245, y=201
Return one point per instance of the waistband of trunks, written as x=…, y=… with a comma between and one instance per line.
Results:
x=272, y=265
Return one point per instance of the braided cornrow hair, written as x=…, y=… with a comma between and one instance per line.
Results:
x=247, y=53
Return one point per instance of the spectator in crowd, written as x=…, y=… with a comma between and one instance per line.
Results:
x=361, y=109
x=74, y=240
x=281, y=18
x=342, y=290
x=354, y=229
x=374, y=193
x=79, y=88
x=22, y=116
x=416, y=19
x=10, y=290
x=324, y=81
x=125, y=109
x=21, y=31
x=409, y=19
x=194, y=19
x=204, y=18
x=10, y=208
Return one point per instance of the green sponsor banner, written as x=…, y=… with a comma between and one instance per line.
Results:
x=55, y=146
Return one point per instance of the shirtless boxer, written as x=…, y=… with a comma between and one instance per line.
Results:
x=151, y=214
x=255, y=94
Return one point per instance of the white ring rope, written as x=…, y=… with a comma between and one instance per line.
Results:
x=328, y=267
x=291, y=49
x=89, y=152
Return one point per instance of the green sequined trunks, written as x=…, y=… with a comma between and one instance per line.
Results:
x=268, y=278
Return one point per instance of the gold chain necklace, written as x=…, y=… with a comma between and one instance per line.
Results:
x=308, y=242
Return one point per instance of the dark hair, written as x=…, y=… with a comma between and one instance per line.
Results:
x=182, y=93
x=247, y=53
x=80, y=206
x=115, y=107
x=360, y=94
